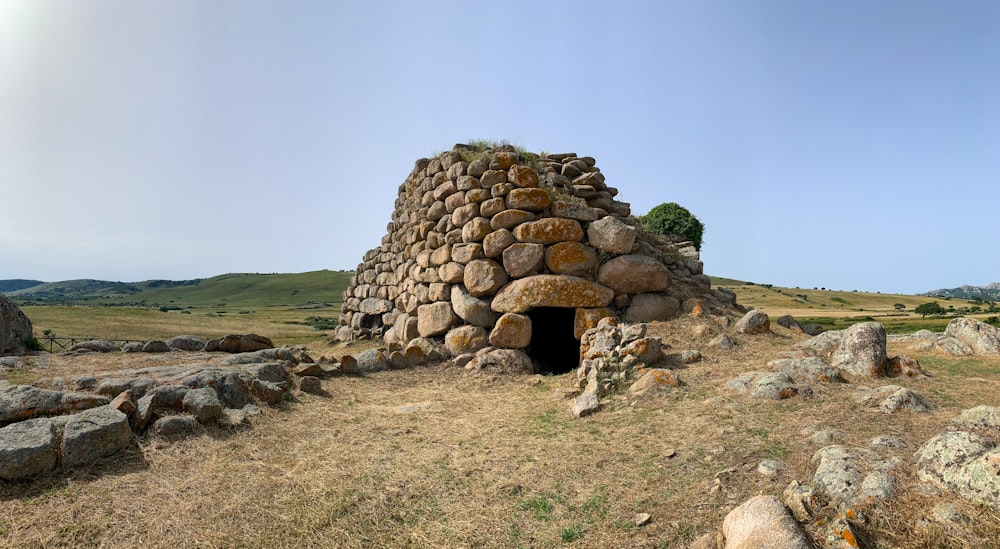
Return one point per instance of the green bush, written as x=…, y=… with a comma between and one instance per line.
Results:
x=33, y=344
x=672, y=219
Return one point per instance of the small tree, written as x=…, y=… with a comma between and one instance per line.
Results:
x=671, y=219
x=899, y=306
x=933, y=308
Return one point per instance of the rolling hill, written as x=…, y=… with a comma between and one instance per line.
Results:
x=228, y=290
x=990, y=292
x=15, y=284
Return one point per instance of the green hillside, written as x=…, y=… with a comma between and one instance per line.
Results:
x=317, y=288
x=15, y=284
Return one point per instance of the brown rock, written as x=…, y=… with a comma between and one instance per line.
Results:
x=493, y=177
x=754, y=323
x=508, y=219
x=464, y=253
x=524, y=294
x=492, y=206
x=435, y=319
x=549, y=230
x=512, y=331
x=522, y=176
x=125, y=402
x=505, y=159
x=471, y=309
x=465, y=339
x=496, y=242
x=574, y=210
x=452, y=273
x=522, y=259
x=634, y=274
x=585, y=319
x=484, y=277
x=650, y=307
x=476, y=230
x=611, y=235
x=532, y=199
x=571, y=258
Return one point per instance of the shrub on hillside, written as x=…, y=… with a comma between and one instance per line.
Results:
x=671, y=219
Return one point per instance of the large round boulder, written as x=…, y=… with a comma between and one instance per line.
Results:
x=982, y=338
x=527, y=293
x=634, y=274
x=862, y=350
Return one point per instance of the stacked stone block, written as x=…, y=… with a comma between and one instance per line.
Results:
x=479, y=237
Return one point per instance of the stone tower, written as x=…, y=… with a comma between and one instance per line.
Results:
x=496, y=247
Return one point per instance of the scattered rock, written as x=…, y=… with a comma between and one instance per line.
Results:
x=653, y=380
x=186, y=343
x=233, y=343
x=203, y=403
x=28, y=448
x=155, y=346
x=722, y=342
x=754, y=323
x=174, y=425
x=810, y=368
x=96, y=346
x=962, y=462
x=19, y=402
x=980, y=337
x=95, y=433
x=762, y=522
x=788, y=321
x=862, y=350
x=890, y=399
x=311, y=385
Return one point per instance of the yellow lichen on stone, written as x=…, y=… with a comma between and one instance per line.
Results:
x=586, y=319
x=530, y=292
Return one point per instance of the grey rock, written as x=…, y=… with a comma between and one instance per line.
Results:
x=754, y=323
x=612, y=236
x=651, y=307
x=155, y=346
x=97, y=346
x=822, y=344
x=862, y=350
x=962, y=462
x=133, y=347
x=807, y=369
x=93, y=434
x=890, y=399
x=634, y=274
x=722, y=342
x=18, y=402
x=203, y=403
x=186, y=343
x=311, y=385
x=471, y=309
x=980, y=416
x=174, y=425
x=15, y=328
x=372, y=360
x=503, y=361
x=982, y=338
x=28, y=448
x=837, y=472
x=465, y=339
x=585, y=404
x=763, y=522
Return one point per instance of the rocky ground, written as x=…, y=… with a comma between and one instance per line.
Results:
x=444, y=455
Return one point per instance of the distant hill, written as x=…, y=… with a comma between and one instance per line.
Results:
x=15, y=284
x=990, y=292
x=224, y=291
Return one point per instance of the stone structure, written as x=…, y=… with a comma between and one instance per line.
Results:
x=526, y=247
x=15, y=328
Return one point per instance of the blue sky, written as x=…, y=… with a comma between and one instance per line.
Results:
x=847, y=145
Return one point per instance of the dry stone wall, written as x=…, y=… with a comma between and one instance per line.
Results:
x=481, y=237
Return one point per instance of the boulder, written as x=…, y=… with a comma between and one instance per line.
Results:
x=549, y=230
x=763, y=522
x=962, y=462
x=982, y=338
x=186, y=343
x=862, y=350
x=524, y=294
x=650, y=307
x=788, y=321
x=634, y=274
x=484, y=277
x=754, y=323
x=174, y=425
x=471, y=309
x=585, y=404
x=15, y=328
x=890, y=399
x=523, y=259
x=311, y=385
x=96, y=346
x=512, y=331
x=233, y=343
x=465, y=339
x=93, y=434
x=532, y=199
x=28, y=448
x=155, y=346
x=570, y=258
x=508, y=219
x=610, y=235
x=203, y=403
x=652, y=381
x=371, y=360
x=435, y=319
x=502, y=361
x=809, y=368
x=19, y=402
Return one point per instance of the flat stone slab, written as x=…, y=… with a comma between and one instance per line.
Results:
x=28, y=448
x=93, y=434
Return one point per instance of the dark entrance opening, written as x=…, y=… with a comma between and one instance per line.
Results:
x=553, y=348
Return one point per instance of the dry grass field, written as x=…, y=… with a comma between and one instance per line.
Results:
x=440, y=457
